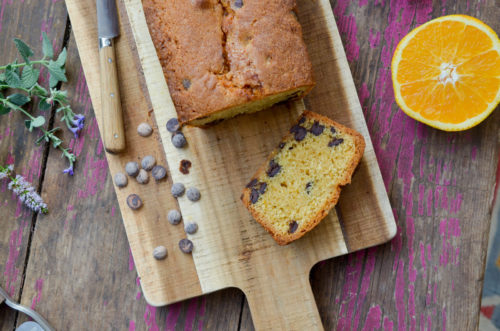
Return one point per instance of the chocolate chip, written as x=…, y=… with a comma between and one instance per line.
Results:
x=317, y=128
x=160, y=252
x=254, y=195
x=159, y=172
x=186, y=83
x=132, y=169
x=281, y=145
x=302, y=120
x=134, y=202
x=300, y=134
x=293, y=226
x=238, y=3
x=262, y=188
x=309, y=187
x=193, y=194
x=273, y=169
x=332, y=129
x=191, y=228
x=186, y=245
x=251, y=183
x=120, y=179
x=295, y=128
x=335, y=142
x=178, y=140
x=174, y=217
x=173, y=125
x=184, y=166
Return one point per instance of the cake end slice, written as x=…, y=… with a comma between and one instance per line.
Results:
x=302, y=178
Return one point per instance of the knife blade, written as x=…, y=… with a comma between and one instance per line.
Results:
x=112, y=117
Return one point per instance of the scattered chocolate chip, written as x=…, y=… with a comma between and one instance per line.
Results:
x=290, y=148
x=142, y=177
x=186, y=83
x=193, y=194
x=134, y=202
x=191, y=228
x=178, y=140
x=262, y=188
x=173, y=125
x=174, y=217
x=120, y=179
x=302, y=120
x=273, y=169
x=317, y=128
x=184, y=166
x=177, y=190
x=160, y=252
x=159, y=172
x=132, y=169
x=186, y=245
x=309, y=187
x=281, y=145
x=144, y=129
x=252, y=183
x=254, y=196
x=148, y=162
x=332, y=129
x=299, y=132
x=238, y=3
x=293, y=226
x=335, y=142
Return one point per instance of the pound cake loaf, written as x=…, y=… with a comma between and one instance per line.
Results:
x=301, y=180
x=222, y=58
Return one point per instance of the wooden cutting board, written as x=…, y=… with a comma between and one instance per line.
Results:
x=231, y=249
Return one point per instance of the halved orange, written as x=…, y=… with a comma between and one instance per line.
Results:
x=446, y=72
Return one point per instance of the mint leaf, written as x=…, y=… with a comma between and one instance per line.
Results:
x=47, y=48
x=44, y=105
x=28, y=125
x=60, y=96
x=56, y=142
x=56, y=73
x=12, y=78
x=18, y=99
x=29, y=77
x=4, y=110
x=39, y=91
x=61, y=59
x=41, y=139
x=38, y=121
x=2, y=77
x=23, y=49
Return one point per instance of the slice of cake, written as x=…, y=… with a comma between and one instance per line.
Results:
x=301, y=180
x=222, y=58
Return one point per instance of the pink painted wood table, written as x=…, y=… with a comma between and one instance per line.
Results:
x=74, y=265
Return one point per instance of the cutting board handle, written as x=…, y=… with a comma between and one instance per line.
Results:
x=285, y=303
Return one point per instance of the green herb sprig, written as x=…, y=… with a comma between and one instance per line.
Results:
x=21, y=79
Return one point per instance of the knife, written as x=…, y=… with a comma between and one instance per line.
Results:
x=112, y=116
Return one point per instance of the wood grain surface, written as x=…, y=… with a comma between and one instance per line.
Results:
x=440, y=185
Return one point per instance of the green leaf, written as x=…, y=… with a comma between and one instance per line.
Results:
x=61, y=59
x=28, y=125
x=47, y=48
x=23, y=49
x=12, y=78
x=2, y=77
x=29, y=77
x=39, y=91
x=56, y=142
x=53, y=81
x=60, y=96
x=4, y=110
x=18, y=99
x=38, y=122
x=44, y=105
x=56, y=71
x=41, y=139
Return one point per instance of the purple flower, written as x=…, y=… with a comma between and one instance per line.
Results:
x=69, y=170
x=78, y=122
x=27, y=194
x=75, y=131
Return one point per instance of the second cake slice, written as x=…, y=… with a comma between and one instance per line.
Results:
x=301, y=180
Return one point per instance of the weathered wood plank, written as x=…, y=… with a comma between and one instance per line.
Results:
x=24, y=20
x=81, y=272
x=440, y=185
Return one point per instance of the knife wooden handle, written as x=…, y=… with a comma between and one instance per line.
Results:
x=112, y=117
